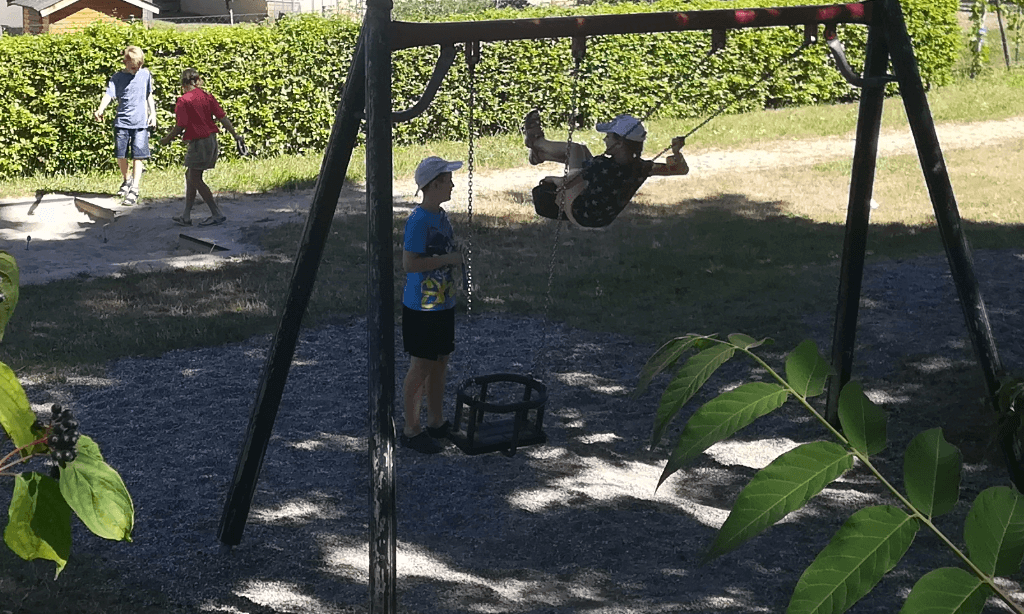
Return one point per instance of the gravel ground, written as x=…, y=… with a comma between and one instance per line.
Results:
x=571, y=526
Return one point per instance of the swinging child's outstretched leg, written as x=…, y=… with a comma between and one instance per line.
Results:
x=543, y=150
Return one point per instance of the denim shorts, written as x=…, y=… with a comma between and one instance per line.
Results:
x=139, y=139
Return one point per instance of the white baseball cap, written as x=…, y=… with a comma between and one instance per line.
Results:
x=433, y=166
x=626, y=126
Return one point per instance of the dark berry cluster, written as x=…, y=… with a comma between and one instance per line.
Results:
x=63, y=434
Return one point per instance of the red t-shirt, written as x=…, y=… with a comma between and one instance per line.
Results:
x=195, y=112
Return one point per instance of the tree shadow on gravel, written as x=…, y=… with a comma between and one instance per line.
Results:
x=575, y=525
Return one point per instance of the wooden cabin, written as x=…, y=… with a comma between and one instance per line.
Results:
x=57, y=16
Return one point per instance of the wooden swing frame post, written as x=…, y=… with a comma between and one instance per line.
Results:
x=368, y=89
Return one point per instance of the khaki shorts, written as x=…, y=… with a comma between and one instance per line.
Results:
x=202, y=153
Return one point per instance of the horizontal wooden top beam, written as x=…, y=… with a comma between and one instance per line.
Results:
x=407, y=34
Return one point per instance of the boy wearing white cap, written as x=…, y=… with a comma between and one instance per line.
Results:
x=596, y=189
x=428, y=305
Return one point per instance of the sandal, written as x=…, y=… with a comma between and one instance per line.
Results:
x=213, y=221
x=131, y=198
x=181, y=221
x=123, y=190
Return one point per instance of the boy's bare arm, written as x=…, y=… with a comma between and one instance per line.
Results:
x=420, y=263
x=98, y=113
x=676, y=163
x=151, y=111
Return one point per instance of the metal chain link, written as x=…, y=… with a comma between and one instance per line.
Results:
x=472, y=58
x=738, y=97
x=579, y=52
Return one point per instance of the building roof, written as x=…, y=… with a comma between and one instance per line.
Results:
x=46, y=7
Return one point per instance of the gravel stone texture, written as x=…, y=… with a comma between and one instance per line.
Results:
x=575, y=525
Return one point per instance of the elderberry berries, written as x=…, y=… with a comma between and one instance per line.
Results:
x=63, y=434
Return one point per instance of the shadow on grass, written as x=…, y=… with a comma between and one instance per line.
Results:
x=712, y=265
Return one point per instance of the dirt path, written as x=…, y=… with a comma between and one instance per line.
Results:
x=65, y=242
x=788, y=153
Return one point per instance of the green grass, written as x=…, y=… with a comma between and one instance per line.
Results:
x=680, y=251
x=689, y=263
x=997, y=95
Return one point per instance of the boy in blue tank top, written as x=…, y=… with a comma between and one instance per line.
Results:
x=430, y=258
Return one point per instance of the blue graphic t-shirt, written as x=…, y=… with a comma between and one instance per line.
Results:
x=130, y=91
x=429, y=234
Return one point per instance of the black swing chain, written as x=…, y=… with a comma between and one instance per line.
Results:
x=764, y=76
x=472, y=58
x=579, y=53
x=670, y=94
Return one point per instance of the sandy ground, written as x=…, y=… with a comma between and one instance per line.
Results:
x=52, y=238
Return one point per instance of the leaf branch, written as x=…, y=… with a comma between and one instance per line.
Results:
x=17, y=451
x=864, y=458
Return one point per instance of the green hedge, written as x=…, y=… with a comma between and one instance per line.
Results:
x=280, y=83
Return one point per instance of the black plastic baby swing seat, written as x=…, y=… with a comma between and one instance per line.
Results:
x=505, y=434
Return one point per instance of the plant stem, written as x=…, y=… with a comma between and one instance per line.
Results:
x=906, y=503
x=17, y=450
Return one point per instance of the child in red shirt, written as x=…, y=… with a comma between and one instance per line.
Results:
x=195, y=113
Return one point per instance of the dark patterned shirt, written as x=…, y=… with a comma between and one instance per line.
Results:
x=610, y=186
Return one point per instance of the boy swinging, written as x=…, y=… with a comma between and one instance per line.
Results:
x=595, y=189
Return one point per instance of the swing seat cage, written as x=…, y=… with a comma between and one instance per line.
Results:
x=522, y=427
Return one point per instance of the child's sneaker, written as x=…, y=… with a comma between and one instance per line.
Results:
x=444, y=431
x=123, y=190
x=422, y=443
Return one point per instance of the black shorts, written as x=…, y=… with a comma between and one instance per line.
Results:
x=428, y=334
x=545, y=201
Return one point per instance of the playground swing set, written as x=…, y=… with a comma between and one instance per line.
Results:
x=367, y=96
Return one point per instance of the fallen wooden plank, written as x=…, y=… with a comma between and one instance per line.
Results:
x=94, y=211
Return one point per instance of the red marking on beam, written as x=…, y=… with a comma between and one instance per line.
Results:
x=745, y=16
x=829, y=13
x=857, y=10
x=682, y=18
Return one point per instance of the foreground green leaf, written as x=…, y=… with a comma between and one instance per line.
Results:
x=783, y=486
x=807, y=370
x=863, y=550
x=722, y=416
x=931, y=473
x=947, y=591
x=87, y=448
x=694, y=373
x=664, y=358
x=98, y=495
x=745, y=342
x=994, y=531
x=8, y=289
x=863, y=422
x=39, y=525
x=16, y=417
